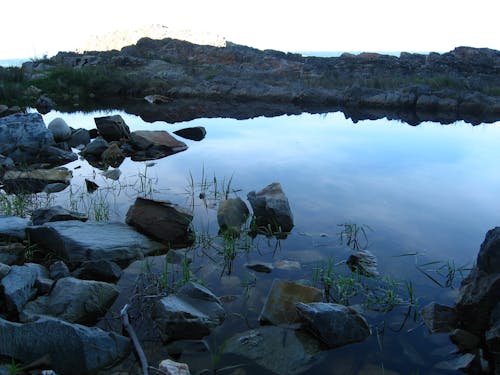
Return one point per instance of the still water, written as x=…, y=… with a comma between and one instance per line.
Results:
x=430, y=191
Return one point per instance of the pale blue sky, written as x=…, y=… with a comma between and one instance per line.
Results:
x=39, y=28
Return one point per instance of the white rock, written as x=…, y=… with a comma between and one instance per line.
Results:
x=170, y=367
x=60, y=129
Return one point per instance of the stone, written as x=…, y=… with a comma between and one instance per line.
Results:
x=169, y=367
x=271, y=208
x=191, y=313
x=232, y=214
x=277, y=349
x=150, y=145
x=34, y=181
x=161, y=220
x=13, y=227
x=18, y=286
x=77, y=242
x=363, y=262
x=438, y=318
x=157, y=99
x=462, y=362
x=45, y=103
x=4, y=270
x=79, y=137
x=196, y=133
x=60, y=129
x=336, y=325
x=55, y=213
x=95, y=148
x=260, y=267
x=101, y=270
x=58, y=270
x=73, y=349
x=113, y=156
x=6, y=164
x=112, y=128
x=55, y=156
x=112, y=174
x=74, y=300
x=12, y=253
x=56, y=187
x=465, y=341
x=279, y=307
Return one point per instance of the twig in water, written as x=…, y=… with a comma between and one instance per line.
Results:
x=135, y=340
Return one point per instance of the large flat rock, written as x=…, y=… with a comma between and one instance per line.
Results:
x=13, y=227
x=78, y=242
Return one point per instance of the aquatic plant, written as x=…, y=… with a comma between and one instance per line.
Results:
x=354, y=235
x=22, y=204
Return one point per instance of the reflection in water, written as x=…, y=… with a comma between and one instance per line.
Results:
x=428, y=193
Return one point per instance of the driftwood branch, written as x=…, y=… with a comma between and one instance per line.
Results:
x=135, y=340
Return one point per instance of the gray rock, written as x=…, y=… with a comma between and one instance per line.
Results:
x=95, y=148
x=438, y=318
x=13, y=227
x=196, y=133
x=277, y=349
x=74, y=300
x=462, y=362
x=169, y=367
x=279, y=307
x=112, y=174
x=112, y=128
x=101, y=270
x=34, y=181
x=12, y=253
x=6, y=164
x=465, y=341
x=79, y=137
x=270, y=207
x=55, y=187
x=232, y=214
x=55, y=213
x=192, y=313
x=78, y=242
x=334, y=324
x=4, y=270
x=58, y=270
x=60, y=129
x=19, y=285
x=363, y=262
x=150, y=145
x=56, y=156
x=161, y=220
x=73, y=349
x=260, y=267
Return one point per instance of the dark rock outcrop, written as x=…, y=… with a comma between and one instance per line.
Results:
x=112, y=128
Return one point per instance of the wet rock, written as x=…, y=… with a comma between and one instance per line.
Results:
x=438, y=318
x=113, y=156
x=336, y=325
x=55, y=156
x=287, y=265
x=463, y=362
x=74, y=300
x=101, y=270
x=13, y=227
x=363, y=262
x=91, y=186
x=170, y=367
x=4, y=270
x=95, y=148
x=78, y=242
x=465, y=341
x=150, y=145
x=79, y=137
x=12, y=253
x=19, y=285
x=279, y=307
x=112, y=174
x=59, y=129
x=277, y=349
x=161, y=220
x=196, y=133
x=58, y=270
x=192, y=313
x=232, y=214
x=34, y=181
x=55, y=213
x=112, y=128
x=73, y=349
x=54, y=188
x=260, y=267
x=271, y=208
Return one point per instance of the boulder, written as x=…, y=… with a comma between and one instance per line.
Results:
x=59, y=129
x=12, y=253
x=58, y=270
x=438, y=318
x=13, y=227
x=232, y=214
x=79, y=137
x=271, y=208
x=336, y=325
x=78, y=242
x=279, y=307
x=4, y=270
x=277, y=349
x=73, y=349
x=112, y=128
x=74, y=300
x=18, y=286
x=196, y=133
x=363, y=262
x=191, y=313
x=34, y=181
x=150, y=145
x=161, y=220
x=55, y=213
x=101, y=270
x=95, y=148
x=54, y=156
x=113, y=156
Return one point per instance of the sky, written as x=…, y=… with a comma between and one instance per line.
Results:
x=34, y=28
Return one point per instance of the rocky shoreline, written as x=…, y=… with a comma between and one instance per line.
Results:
x=461, y=84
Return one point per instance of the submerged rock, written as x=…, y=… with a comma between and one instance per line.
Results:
x=150, y=145
x=55, y=213
x=334, y=324
x=196, y=133
x=363, y=262
x=73, y=349
x=232, y=214
x=113, y=156
x=162, y=220
x=438, y=318
x=112, y=128
x=34, y=181
x=260, y=267
x=112, y=174
x=271, y=208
